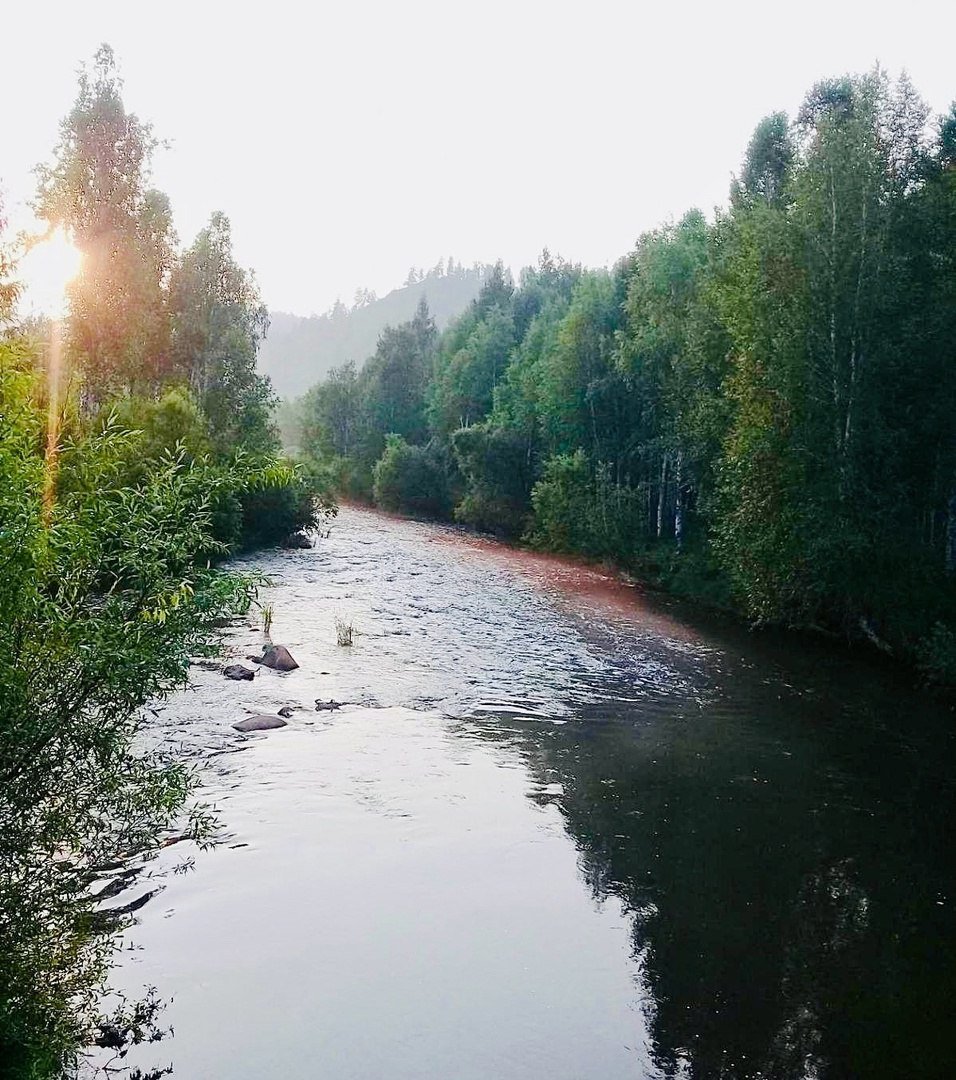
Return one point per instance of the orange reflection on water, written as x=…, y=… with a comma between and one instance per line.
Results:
x=587, y=589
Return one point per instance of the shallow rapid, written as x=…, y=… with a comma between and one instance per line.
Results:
x=557, y=828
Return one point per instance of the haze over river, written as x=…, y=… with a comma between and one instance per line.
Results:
x=561, y=830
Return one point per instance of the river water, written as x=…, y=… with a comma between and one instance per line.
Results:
x=559, y=829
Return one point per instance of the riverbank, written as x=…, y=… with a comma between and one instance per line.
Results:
x=687, y=580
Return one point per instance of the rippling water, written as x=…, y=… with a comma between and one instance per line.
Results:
x=558, y=828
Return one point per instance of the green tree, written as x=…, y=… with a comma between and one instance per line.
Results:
x=409, y=478
x=672, y=351
x=473, y=357
x=395, y=378
x=218, y=320
x=97, y=187
x=332, y=415
x=498, y=474
x=768, y=165
x=171, y=420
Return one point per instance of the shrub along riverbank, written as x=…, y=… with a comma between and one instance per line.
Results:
x=136, y=453
x=760, y=410
x=106, y=592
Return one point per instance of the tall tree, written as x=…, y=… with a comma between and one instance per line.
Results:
x=473, y=357
x=218, y=320
x=769, y=161
x=97, y=187
x=332, y=414
x=396, y=375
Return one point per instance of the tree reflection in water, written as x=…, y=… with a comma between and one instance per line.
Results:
x=786, y=858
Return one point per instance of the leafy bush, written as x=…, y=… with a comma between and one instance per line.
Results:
x=103, y=600
x=936, y=656
x=578, y=509
x=170, y=420
x=278, y=501
x=260, y=500
x=409, y=479
x=496, y=467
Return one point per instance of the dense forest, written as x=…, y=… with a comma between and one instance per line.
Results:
x=137, y=450
x=299, y=351
x=756, y=409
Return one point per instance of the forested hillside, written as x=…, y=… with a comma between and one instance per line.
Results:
x=298, y=351
x=759, y=409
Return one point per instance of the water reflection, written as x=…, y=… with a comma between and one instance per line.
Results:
x=762, y=836
x=786, y=860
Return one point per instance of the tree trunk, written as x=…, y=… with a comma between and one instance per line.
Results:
x=679, y=502
x=661, y=497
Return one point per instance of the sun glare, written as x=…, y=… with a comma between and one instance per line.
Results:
x=46, y=270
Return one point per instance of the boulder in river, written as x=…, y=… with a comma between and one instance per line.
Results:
x=297, y=540
x=286, y=711
x=238, y=672
x=277, y=657
x=259, y=722
x=327, y=706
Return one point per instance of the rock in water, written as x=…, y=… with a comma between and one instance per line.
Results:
x=286, y=711
x=260, y=722
x=327, y=706
x=277, y=657
x=238, y=671
x=297, y=541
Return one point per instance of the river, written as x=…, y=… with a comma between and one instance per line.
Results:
x=560, y=828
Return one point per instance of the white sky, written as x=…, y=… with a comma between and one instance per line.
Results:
x=349, y=141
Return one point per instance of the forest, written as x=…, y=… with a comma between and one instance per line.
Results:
x=137, y=451
x=755, y=410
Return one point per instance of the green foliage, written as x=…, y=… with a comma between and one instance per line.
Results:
x=393, y=382
x=496, y=466
x=9, y=288
x=581, y=398
x=103, y=600
x=283, y=499
x=259, y=500
x=473, y=358
x=768, y=165
x=174, y=419
x=759, y=408
x=579, y=509
x=218, y=320
x=154, y=458
x=936, y=655
x=409, y=479
x=163, y=345
x=97, y=186
x=348, y=416
x=333, y=419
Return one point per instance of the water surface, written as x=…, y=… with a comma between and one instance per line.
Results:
x=559, y=828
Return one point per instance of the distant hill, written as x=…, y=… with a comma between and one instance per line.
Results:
x=299, y=351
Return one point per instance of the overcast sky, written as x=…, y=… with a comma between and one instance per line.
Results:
x=349, y=141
